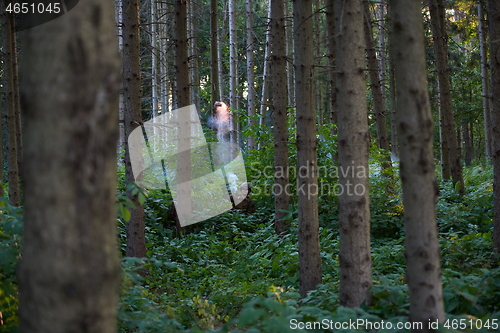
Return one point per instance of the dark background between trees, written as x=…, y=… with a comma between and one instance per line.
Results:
x=399, y=98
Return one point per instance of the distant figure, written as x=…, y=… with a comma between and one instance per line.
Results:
x=220, y=122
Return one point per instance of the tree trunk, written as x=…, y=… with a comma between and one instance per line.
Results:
x=484, y=77
x=353, y=139
x=264, y=102
x=250, y=73
x=309, y=253
x=121, y=120
x=214, y=51
x=289, y=51
x=382, y=59
x=469, y=147
x=392, y=94
x=70, y=274
x=437, y=12
x=221, y=41
x=394, y=131
x=317, y=53
x=163, y=55
x=375, y=86
x=330, y=31
x=10, y=98
x=2, y=155
x=154, y=60
x=136, y=242
x=193, y=56
x=494, y=25
x=17, y=101
x=415, y=129
x=233, y=70
x=278, y=63
x=184, y=168
x=445, y=152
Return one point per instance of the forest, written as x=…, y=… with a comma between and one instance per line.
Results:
x=250, y=166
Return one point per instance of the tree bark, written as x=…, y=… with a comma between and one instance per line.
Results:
x=289, y=51
x=494, y=25
x=136, y=242
x=193, y=55
x=415, y=129
x=437, y=11
x=330, y=31
x=317, y=54
x=250, y=73
x=163, y=55
x=70, y=274
x=392, y=94
x=264, y=100
x=378, y=93
x=309, y=253
x=485, y=77
x=184, y=167
x=353, y=140
x=214, y=51
x=154, y=60
x=233, y=71
x=445, y=151
x=279, y=83
x=121, y=120
x=17, y=102
x=11, y=115
x=469, y=147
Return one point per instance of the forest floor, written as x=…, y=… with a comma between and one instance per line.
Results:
x=233, y=273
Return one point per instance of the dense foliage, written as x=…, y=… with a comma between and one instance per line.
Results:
x=234, y=273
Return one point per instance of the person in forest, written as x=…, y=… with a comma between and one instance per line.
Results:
x=220, y=122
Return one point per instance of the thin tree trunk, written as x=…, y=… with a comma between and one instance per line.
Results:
x=309, y=253
x=382, y=58
x=289, y=51
x=136, y=242
x=193, y=55
x=278, y=63
x=233, y=71
x=70, y=274
x=154, y=60
x=484, y=77
x=181, y=57
x=250, y=73
x=437, y=10
x=17, y=101
x=264, y=102
x=353, y=139
x=121, y=121
x=222, y=34
x=469, y=147
x=214, y=52
x=392, y=93
x=394, y=131
x=11, y=116
x=330, y=31
x=415, y=124
x=184, y=168
x=163, y=55
x=2, y=156
x=317, y=53
x=494, y=25
x=445, y=152
x=375, y=86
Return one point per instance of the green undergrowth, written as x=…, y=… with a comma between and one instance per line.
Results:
x=232, y=273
